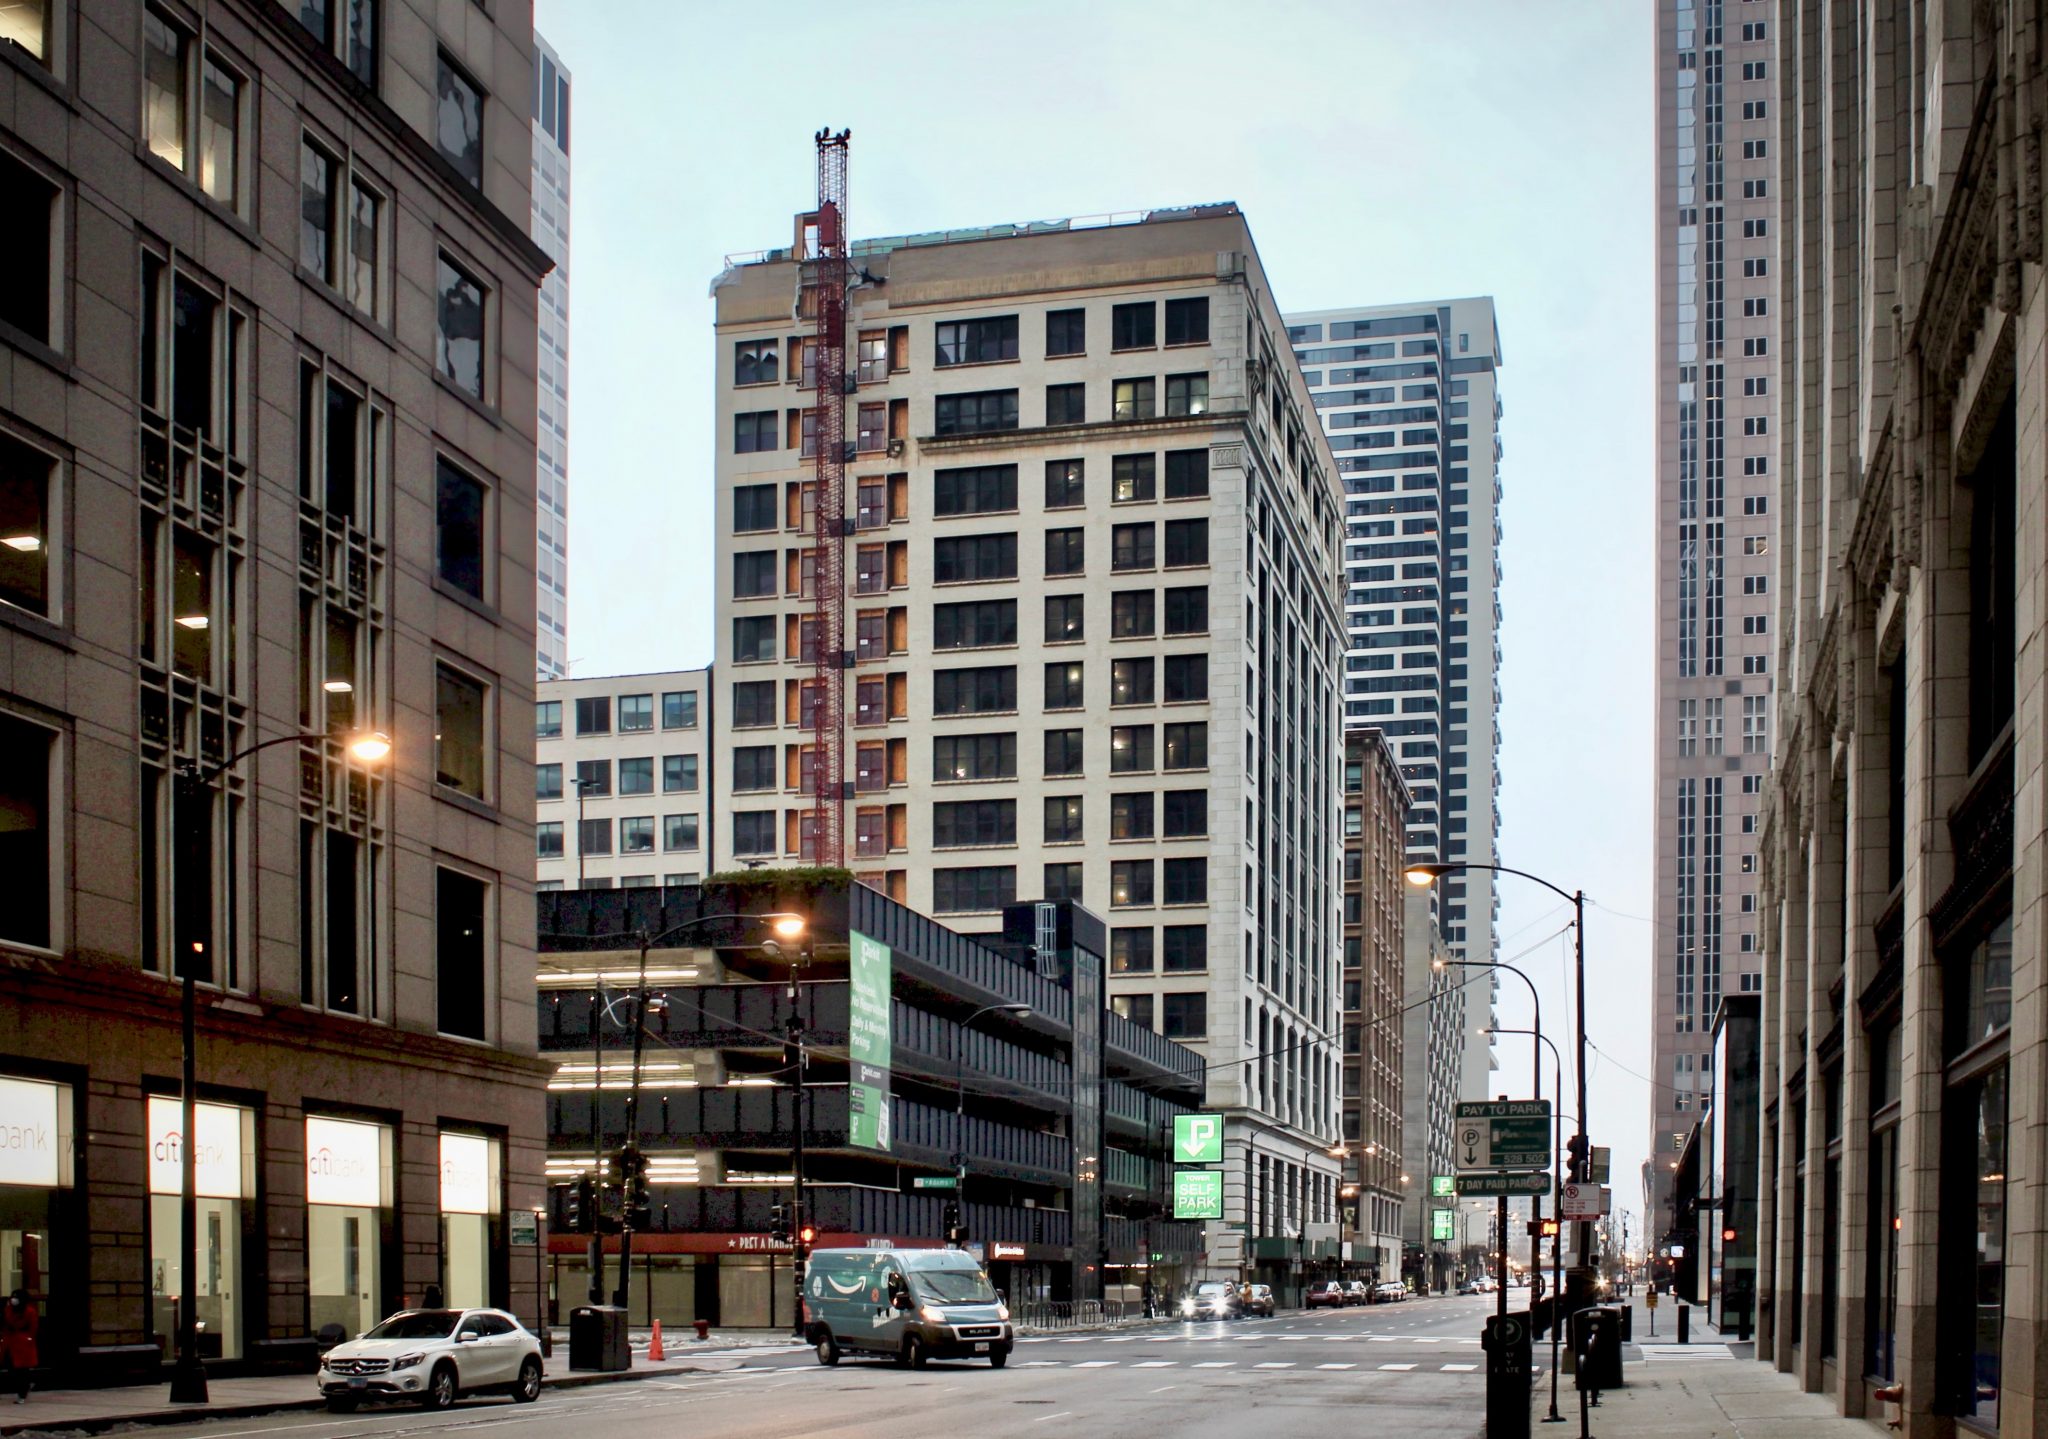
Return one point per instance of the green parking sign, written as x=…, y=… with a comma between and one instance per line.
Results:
x=1197, y=1194
x=1440, y=1221
x=1198, y=1139
x=1442, y=1186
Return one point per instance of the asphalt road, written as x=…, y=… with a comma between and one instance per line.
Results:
x=1413, y=1369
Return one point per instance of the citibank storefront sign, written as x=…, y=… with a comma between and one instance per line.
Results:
x=35, y=1134
x=345, y=1163
x=221, y=1157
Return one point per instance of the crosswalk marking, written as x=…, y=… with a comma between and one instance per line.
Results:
x=1096, y=1364
x=1336, y=1366
x=1398, y=1367
x=1459, y=1368
x=1156, y=1364
x=1217, y=1364
x=1272, y=1366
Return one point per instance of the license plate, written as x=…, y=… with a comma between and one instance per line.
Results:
x=358, y=1383
x=981, y=1349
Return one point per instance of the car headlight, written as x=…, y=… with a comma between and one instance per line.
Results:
x=932, y=1314
x=1187, y=1306
x=1003, y=1313
x=407, y=1361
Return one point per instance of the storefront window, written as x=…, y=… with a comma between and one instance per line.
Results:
x=1990, y=1266
x=225, y=1166
x=754, y=1291
x=35, y=1165
x=469, y=1203
x=1973, y=1182
x=1881, y=1290
x=348, y=1195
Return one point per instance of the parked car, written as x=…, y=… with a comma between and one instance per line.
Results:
x=1258, y=1299
x=1477, y=1284
x=433, y=1356
x=1393, y=1291
x=1357, y=1291
x=1212, y=1299
x=1330, y=1294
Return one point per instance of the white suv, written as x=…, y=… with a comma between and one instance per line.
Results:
x=434, y=1356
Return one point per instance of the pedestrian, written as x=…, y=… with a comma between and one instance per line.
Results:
x=432, y=1298
x=18, y=1326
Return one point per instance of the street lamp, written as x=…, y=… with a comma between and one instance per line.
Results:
x=1020, y=1011
x=188, y=1376
x=1424, y=875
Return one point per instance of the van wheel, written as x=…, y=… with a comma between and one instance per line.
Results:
x=997, y=1358
x=828, y=1349
x=901, y=1358
x=914, y=1351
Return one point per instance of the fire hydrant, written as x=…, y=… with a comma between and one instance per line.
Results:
x=703, y=1328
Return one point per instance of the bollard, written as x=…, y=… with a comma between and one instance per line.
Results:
x=703, y=1328
x=1685, y=1324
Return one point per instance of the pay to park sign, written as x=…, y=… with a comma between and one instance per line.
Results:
x=867, y=1043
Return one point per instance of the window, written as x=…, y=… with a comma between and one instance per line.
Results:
x=1187, y=474
x=1185, y=881
x=753, y=431
x=1131, y=477
x=1066, y=404
x=753, y=704
x=594, y=836
x=636, y=776
x=1130, y=883
x=1755, y=30
x=1133, y=327
x=28, y=270
x=192, y=108
x=1131, y=547
x=1755, y=69
x=959, y=559
x=1130, y=749
x=1755, y=149
x=636, y=834
x=1135, y=399
x=1130, y=949
x=593, y=776
x=980, y=490
x=678, y=832
x=754, y=833
x=1063, y=686
x=975, y=414
x=459, y=731
x=1066, y=552
x=460, y=944
x=1755, y=189
x=1187, y=678
x=1130, y=681
x=594, y=715
x=679, y=710
x=753, y=508
x=753, y=767
x=1187, y=610
x=459, y=520
x=1187, y=321
x=26, y=838
x=988, y=690
x=1185, y=947
x=1063, y=485
x=678, y=773
x=1755, y=584
x=974, y=342
x=1184, y=1016
x=26, y=477
x=26, y=24
x=1184, y=813
x=1131, y=615
x=1756, y=109
x=1062, y=752
x=1755, y=724
x=964, y=891
x=1755, y=665
x=753, y=638
x=340, y=225
x=1756, y=504
x=1187, y=395
x=1186, y=746
x=1066, y=332
x=1756, y=384
x=1063, y=819
x=1755, y=229
x=547, y=781
x=965, y=824
x=547, y=839
x=1063, y=881
x=974, y=756
x=1064, y=620
x=1137, y=1008
x=1753, y=306
x=547, y=719
x=459, y=120
x=1756, y=624
x=1187, y=543
x=754, y=362
x=974, y=625
x=753, y=574
x=459, y=342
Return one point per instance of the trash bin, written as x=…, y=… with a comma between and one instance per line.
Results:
x=1596, y=1343
x=597, y=1338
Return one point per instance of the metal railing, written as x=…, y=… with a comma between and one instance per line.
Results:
x=1055, y=1314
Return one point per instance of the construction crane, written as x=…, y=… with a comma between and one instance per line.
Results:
x=823, y=278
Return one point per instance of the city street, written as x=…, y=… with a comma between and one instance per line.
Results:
x=1417, y=1366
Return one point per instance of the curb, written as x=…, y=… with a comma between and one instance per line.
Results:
x=199, y=1413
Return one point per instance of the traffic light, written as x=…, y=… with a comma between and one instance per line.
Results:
x=1543, y=1228
x=956, y=1232
x=1576, y=1148
x=579, y=1205
x=778, y=1224
x=805, y=1237
x=636, y=1204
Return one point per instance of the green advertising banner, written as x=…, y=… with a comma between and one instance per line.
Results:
x=1440, y=1223
x=867, y=1043
x=1197, y=1194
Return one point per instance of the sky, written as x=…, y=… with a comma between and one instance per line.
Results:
x=1383, y=151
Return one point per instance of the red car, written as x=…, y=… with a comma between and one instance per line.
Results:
x=1331, y=1294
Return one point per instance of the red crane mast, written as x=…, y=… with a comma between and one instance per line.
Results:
x=825, y=273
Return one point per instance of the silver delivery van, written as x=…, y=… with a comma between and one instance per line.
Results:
x=909, y=1304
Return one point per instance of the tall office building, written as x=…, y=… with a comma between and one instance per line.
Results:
x=266, y=484
x=551, y=427
x=1715, y=412
x=1399, y=388
x=1093, y=642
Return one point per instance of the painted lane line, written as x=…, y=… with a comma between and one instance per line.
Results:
x=1164, y=1387
x=1273, y=1366
x=1047, y=1419
x=1156, y=1364
x=1459, y=1368
x=1336, y=1366
x=1217, y=1364
x=1399, y=1368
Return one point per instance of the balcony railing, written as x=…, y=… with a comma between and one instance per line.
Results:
x=1148, y=1054
x=926, y=952
x=840, y=1209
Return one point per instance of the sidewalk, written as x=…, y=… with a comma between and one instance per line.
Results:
x=94, y=1411
x=1709, y=1389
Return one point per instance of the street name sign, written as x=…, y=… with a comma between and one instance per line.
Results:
x=1197, y=1194
x=1499, y=1136
x=935, y=1181
x=1493, y=1185
x=1198, y=1139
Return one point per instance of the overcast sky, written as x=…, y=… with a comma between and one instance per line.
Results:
x=1383, y=150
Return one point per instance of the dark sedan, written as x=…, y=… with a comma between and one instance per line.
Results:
x=1331, y=1294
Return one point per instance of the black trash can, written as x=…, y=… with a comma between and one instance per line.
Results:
x=1596, y=1342
x=597, y=1338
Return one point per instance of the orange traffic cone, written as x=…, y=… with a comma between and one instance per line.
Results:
x=654, y=1354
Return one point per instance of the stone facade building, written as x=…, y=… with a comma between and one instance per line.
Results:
x=1905, y=1018
x=1376, y=1061
x=266, y=479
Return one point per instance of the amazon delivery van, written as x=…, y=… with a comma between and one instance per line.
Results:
x=909, y=1304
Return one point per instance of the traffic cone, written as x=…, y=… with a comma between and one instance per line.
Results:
x=654, y=1354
